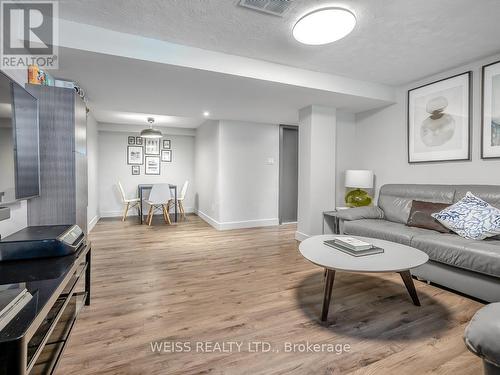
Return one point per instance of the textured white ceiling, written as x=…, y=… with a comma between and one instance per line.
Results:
x=395, y=41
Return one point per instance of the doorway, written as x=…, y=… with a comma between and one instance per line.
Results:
x=289, y=173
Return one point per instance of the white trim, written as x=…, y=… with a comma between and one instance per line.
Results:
x=133, y=212
x=118, y=213
x=208, y=219
x=249, y=224
x=228, y=225
x=92, y=223
x=299, y=236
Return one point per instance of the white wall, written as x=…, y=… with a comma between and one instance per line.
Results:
x=237, y=173
x=346, y=157
x=381, y=142
x=317, y=168
x=249, y=174
x=93, y=176
x=112, y=150
x=207, y=171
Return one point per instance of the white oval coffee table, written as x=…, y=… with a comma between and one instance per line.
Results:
x=395, y=258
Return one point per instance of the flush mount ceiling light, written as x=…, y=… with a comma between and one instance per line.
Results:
x=206, y=113
x=150, y=132
x=324, y=26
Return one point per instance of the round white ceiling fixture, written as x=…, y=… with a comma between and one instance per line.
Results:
x=324, y=26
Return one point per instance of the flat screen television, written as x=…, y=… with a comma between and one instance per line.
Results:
x=19, y=143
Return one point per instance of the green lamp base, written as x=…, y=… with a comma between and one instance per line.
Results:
x=358, y=198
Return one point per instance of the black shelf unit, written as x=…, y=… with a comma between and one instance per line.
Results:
x=34, y=341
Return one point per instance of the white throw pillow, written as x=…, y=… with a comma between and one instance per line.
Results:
x=471, y=218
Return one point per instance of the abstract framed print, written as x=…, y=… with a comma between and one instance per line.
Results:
x=439, y=120
x=135, y=155
x=138, y=141
x=166, y=144
x=131, y=140
x=490, y=142
x=136, y=170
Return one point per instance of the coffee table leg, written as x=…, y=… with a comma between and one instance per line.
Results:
x=330, y=277
x=408, y=280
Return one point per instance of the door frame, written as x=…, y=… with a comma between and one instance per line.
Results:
x=282, y=127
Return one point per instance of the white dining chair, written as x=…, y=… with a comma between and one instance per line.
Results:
x=180, y=199
x=127, y=202
x=159, y=198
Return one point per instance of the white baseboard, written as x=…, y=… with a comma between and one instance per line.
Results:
x=249, y=224
x=228, y=225
x=299, y=236
x=93, y=222
x=208, y=219
x=133, y=212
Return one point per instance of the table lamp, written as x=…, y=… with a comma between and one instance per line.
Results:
x=359, y=179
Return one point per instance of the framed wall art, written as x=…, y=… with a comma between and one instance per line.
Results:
x=166, y=144
x=135, y=155
x=166, y=156
x=490, y=142
x=152, y=165
x=152, y=146
x=138, y=141
x=439, y=120
x=131, y=140
x=136, y=170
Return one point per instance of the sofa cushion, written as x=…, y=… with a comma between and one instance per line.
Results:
x=471, y=217
x=477, y=256
x=488, y=193
x=420, y=216
x=357, y=213
x=395, y=200
x=384, y=230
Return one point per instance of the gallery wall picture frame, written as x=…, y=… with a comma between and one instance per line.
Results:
x=131, y=140
x=135, y=155
x=439, y=120
x=166, y=144
x=136, y=170
x=490, y=111
x=139, y=141
x=152, y=146
x=166, y=156
x=152, y=165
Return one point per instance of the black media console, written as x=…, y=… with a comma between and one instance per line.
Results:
x=33, y=342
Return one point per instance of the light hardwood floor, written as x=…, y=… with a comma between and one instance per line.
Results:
x=190, y=283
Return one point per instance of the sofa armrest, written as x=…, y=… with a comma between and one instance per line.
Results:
x=368, y=212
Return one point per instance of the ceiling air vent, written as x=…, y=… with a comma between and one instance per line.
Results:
x=274, y=7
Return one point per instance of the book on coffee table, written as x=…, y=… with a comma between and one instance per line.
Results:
x=353, y=243
x=355, y=253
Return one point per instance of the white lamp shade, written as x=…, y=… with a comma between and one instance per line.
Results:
x=359, y=179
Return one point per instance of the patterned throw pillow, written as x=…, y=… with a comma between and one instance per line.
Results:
x=471, y=218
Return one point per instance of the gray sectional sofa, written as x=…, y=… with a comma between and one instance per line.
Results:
x=467, y=266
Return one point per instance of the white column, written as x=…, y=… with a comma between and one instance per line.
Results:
x=317, y=132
